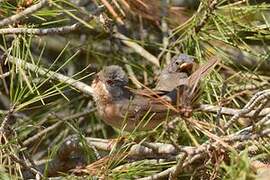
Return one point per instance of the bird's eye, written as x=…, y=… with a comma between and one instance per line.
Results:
x=110, y=82
x=177, y=63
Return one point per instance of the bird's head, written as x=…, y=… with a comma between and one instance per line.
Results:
x=182, y=63
x=111, y=80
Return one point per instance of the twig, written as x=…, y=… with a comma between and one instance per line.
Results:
x=27, y=155
x=150, y=146
x=41, y=31
x=161, y=175
x=218, y=116
x=262, y=105
x=132, y=76
x=257, y=98
x=250, y=136
x=250, y=86
x=137, y=149
x=264, y=121
x=23, y=164
x=6, y=121
x=45, y=72
x=167, y=172
x=230, y=111
x=23, y=14
x=55, y=30
x=5, y=74
x=179, y=166
x=137, y=48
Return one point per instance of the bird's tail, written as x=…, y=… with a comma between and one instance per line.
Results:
x=191, y=92
x=200, y=73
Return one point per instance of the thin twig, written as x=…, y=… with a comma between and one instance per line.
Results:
x=229, y=111
x=138, y=149
x=179, y=166
x=6, y=121
x=45, y=72
x=132, y=76
x=167, y=172
x=264, y=121
x=54, y=30
x=137, y=48
x=23, y=14
x=41, y=31
x=23, y=164
x=5, y=74
x=257, y=98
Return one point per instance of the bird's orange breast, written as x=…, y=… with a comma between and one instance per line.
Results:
x=111, y=114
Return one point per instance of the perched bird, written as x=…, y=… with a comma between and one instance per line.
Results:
x=122, y=108
x=176, y=73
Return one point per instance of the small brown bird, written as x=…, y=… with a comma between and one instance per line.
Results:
x=122, y=108
x=176, y=73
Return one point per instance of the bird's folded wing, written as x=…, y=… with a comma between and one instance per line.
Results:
x=141, y=106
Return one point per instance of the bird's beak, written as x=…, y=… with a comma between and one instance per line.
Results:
x=186, y=67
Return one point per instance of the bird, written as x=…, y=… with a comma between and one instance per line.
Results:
x=129, y=110
x=175, y=73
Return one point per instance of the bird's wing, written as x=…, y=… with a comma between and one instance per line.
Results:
x=143, y=113
x=139, y=106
